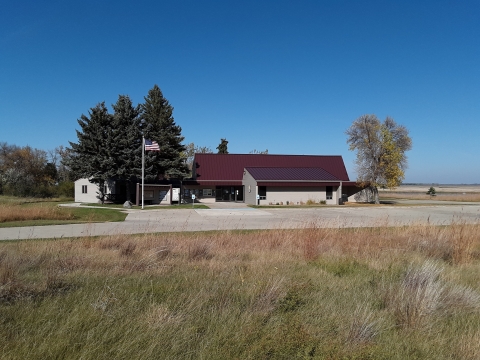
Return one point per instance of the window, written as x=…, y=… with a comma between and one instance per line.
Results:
x=207, y=192
x=262, y=192
x=84, y=189
x=162, y=195
x=329, y=192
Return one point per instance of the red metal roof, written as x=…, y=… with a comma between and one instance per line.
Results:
x=209, y=168
x=295, y=174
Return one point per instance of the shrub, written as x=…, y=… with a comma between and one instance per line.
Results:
x=66, y=189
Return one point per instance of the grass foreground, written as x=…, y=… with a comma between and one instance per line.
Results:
x=379, y=293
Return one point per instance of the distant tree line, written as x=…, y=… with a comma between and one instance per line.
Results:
x=26, y=171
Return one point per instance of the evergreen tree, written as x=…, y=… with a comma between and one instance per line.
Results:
x=222, y=147
x=126, y=145
x=91, y=157
x=157, y=124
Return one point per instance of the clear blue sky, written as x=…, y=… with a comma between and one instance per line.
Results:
x=287, y=76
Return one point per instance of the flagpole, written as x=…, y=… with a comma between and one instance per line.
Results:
x=143, y=168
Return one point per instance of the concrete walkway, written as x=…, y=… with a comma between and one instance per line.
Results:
x=242, y=217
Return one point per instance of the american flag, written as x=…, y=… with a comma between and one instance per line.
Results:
x=151, y=145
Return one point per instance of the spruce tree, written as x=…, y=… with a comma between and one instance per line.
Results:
x=126, y=146
x=157, y=124
x=222, y=147
x=92, y=157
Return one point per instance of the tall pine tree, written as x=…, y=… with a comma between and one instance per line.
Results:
x=92, y=157
x=223, y=146
x=126, y=146
x=157, y=124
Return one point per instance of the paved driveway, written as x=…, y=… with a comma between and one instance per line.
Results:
x=241, y=217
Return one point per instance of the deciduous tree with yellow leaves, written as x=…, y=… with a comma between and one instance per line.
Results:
x=381, y=147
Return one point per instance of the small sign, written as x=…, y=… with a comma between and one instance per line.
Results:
x=193, y=196
x=258, y=197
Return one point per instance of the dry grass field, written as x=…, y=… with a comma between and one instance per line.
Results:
x=378, y=293
x=16, y=211
x=467, y=193
x=9, y=213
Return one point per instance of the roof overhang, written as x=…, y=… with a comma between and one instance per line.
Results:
x=213, y=183
x=298, y=183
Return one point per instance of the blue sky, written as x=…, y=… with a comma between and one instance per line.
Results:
x=287, y=76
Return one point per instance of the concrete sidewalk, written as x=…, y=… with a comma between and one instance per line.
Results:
x=172, y=220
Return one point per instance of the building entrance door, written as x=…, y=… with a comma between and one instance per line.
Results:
x=229, y=193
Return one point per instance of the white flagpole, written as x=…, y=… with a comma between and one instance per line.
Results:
x=143, y=168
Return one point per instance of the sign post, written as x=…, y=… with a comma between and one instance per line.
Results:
x=193, y=201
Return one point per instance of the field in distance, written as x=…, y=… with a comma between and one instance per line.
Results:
x=468, y=193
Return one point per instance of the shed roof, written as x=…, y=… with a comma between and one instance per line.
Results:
x=290, y=174
x=209, y=168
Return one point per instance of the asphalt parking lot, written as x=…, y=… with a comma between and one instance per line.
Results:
x=241, y=217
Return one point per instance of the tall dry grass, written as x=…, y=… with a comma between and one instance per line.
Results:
x=308, y=293
x=10, y=212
